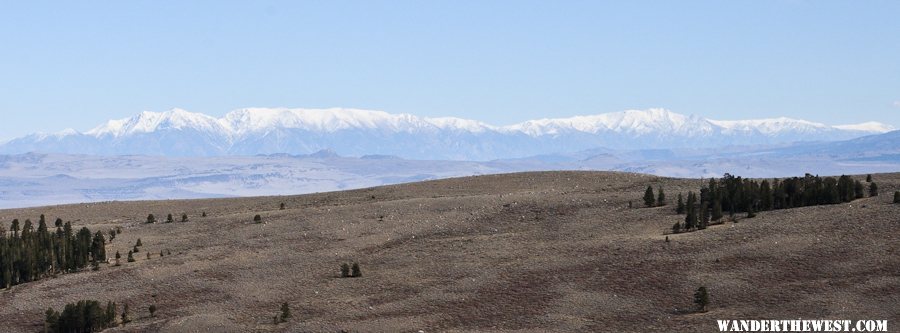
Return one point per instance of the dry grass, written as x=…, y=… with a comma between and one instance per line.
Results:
x=528, y=252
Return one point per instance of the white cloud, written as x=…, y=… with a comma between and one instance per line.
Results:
x=897, y=104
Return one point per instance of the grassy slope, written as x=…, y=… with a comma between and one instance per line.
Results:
x=556, y=251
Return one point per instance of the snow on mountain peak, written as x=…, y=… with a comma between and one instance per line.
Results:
x=770, y=126
x=65, y=132
x=251, y=120
x=629, y=121
x=254, y=131
x=634, y=122
x=58, y=135
x=452, y=123
x=147, y=122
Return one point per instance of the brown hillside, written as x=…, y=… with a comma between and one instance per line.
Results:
x=527, y=252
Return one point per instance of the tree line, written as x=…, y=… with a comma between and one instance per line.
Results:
x=29, y=254
x=734, y=194
x=83, y=317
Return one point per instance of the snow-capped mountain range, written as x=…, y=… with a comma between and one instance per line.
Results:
x=45, y=179
x=354, y=132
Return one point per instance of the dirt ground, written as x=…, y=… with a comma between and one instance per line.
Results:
x=526, y=252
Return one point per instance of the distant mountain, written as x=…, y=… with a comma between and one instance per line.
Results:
x=40, y=179
x=353, y=132
x=869, y=154
x=879, y=146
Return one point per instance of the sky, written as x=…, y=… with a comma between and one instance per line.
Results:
x=75, y=64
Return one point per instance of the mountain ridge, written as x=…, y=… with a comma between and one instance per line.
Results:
x=358, y=132
x=36, y=179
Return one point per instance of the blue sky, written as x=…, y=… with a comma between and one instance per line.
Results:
x=76, y=64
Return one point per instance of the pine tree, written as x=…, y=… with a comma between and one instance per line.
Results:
x=743, y=195
x=873, y=190
x=82, y=316
x=354, y=271
x=897, y=197
x=184, y=217
x=345, y=270
x=676, y=228
x=151, y=218
x=285, y=312
x=110, y=318
x=679, y=209
x=661, y=198
x=169, y=219
x=257, y=219
x=281, y=207
x=51, y=320
x=135, y=250
x=767, y=198
x=45, y=251
x=203, y=214
x=125, y=314
x=29, y=253
x=704, y=216
x=98, y=247
x=858, y=189
x=690, y=220
x=83, y=248
x=130, y=256
x=118, y=256
x=868, y=178
x=649, y=198
x=68, y=236
x=94, y=315
x=716, y=211
x=701, y=299
x=138, y=243
x=152, y=309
